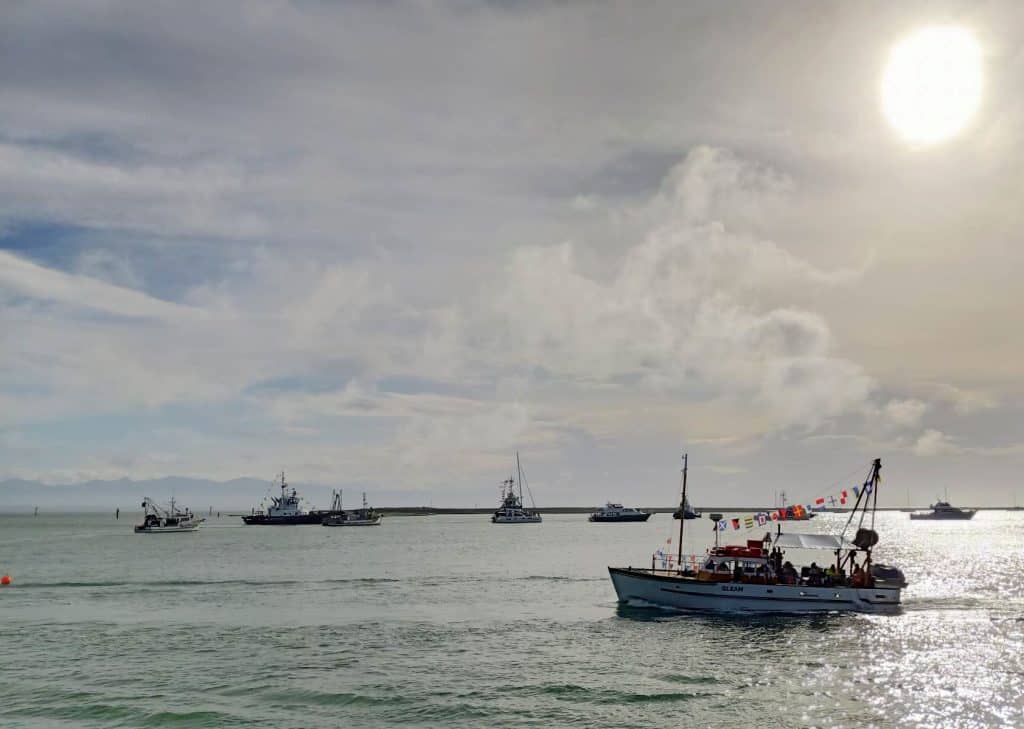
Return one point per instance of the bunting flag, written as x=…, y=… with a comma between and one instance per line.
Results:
x=748, y=522
x=832, y=501
x=842, y=497
x=775, y=516
x=735, y=523
x=856, y=492
x=722, y=525
x=799, y=512
x=819, y=501
x=762, y=519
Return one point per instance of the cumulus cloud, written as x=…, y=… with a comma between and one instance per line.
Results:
x=934, y=442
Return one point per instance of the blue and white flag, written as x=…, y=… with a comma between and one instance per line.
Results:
x=723, y=525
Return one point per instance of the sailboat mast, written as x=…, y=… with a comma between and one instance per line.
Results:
x=682, y=514
x=519, y=475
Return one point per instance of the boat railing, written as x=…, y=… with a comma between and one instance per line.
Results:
x=671, y=564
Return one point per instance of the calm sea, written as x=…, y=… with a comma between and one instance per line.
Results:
x=452, y=621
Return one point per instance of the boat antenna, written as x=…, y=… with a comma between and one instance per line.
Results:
x=682, y=514
x=529, y=491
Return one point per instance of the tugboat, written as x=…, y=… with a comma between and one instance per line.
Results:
x=756, y=578
x=357, y=517
x=170, y=520
x=617, y=512
x=943, y=510
x=287, y=509
x=511, y=510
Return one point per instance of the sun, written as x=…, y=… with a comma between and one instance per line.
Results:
x=932, y=83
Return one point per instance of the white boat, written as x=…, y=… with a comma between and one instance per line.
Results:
x=365, y=516
x=756, y=577
x=617, y=512
x=166, y=520
x=943, y=510
x=511, y=510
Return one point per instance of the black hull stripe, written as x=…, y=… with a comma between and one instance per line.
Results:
x=795, y=598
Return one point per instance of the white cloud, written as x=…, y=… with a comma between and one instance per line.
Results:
x=934, y=443
x=905, y=413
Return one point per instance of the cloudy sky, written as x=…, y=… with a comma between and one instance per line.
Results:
x=385, y=245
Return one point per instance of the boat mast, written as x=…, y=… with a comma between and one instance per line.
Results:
x=519, y=475
x=682, y=514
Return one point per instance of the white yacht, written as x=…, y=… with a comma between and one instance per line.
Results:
x=511, y=510
x=757, y=577
x=617, y=512
x=166, y=520
x=944, y=510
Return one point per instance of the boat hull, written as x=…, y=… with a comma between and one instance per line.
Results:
x=622, y=517
x=516, y=519
x=166, y=530
x=665, y=590
x=944, y=516
x=311, y=517
x=351, y=522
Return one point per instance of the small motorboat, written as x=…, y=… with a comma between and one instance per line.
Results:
x=943, y=510
x=166, y=520
x=617, y=512
x=365, y=516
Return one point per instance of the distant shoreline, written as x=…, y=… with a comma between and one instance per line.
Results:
x=437, y=510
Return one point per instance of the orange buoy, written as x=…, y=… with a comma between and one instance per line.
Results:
x=5, y=580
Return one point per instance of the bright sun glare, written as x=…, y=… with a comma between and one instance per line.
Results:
x=932, y=83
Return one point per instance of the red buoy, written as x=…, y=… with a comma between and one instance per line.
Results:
x=5, y=580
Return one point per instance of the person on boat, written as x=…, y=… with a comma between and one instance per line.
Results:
x=788, y=573
x=831, y=576
x=859, y=578
x=814, y=574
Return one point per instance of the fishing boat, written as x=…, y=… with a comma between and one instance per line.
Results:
x=287, y=509
x=943, y=510
x=511, y=510
x=756, y=577
x=365, y=516
x=685, y=511
x=166, y=520
x=794, y=513
x=617, y=512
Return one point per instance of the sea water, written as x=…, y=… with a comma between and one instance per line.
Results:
x=450, y=621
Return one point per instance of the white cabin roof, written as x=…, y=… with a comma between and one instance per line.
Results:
x=813, y=541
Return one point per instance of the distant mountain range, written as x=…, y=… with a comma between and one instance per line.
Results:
x=238, y=495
